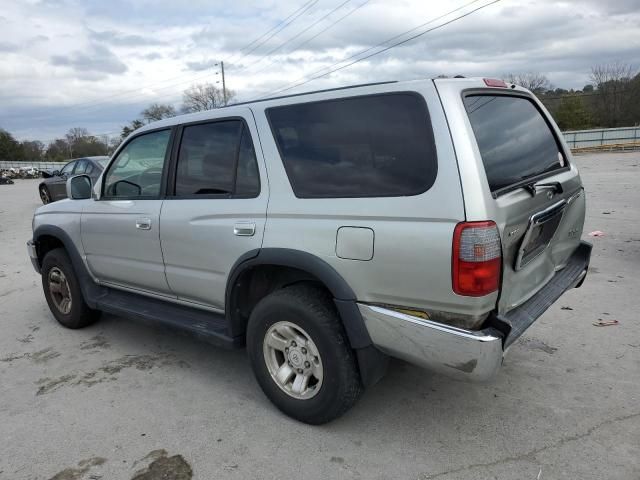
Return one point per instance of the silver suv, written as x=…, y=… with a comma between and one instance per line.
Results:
x=433, y=221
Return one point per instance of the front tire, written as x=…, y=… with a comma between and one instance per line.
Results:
x=45, y=196
x=301, y=356
x=62, y=291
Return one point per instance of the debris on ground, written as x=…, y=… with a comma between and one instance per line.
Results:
x=566, y=308
x=596, y=233
x=605, y=323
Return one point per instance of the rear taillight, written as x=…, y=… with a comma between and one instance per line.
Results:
x=477, y=258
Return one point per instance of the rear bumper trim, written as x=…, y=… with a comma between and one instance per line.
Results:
x=572, y=275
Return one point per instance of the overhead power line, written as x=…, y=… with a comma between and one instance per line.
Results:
x=98, y=102
x=297, y=35
x=302, y=11
x=267, y=32
x=389, y=47
x=338, y=20
x=305, y=42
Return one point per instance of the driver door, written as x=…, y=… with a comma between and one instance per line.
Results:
x=58, y=187
x=120, y=230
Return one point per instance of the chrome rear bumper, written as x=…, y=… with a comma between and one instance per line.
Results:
x=458, y=353
x=466, y=354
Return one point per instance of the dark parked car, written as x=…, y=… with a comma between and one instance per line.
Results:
x=54, y=187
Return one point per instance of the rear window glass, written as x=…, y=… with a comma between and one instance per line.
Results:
x=373, y=146
x=514, y=139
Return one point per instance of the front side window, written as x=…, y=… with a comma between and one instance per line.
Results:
x=370, y=146
x=514, y=139
x=137, y=171
x=68, y=168
x=217, y=159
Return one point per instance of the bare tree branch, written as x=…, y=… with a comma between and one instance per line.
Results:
x=535, y=82
x=612, y=82
x=204, y=96
x=158, y=111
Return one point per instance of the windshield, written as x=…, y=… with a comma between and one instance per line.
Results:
x=514, y=139
x=103, y=161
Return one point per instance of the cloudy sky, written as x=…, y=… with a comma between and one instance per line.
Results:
x=97, y=63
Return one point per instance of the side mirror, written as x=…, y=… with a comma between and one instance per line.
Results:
x=79, y=187
x=55, y=173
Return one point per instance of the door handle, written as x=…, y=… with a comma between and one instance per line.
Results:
x=244, y=229
x=143, y=224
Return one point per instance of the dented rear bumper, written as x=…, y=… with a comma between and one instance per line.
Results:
x=468, y=354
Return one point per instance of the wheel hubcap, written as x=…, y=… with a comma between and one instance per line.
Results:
x=44, y=195
x=59, y=290
x=293, y=360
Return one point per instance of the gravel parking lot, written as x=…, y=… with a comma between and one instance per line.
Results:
x=121, y=400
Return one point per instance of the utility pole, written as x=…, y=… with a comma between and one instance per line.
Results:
x=224, y=87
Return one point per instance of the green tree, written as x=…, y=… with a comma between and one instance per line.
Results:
x=129, y=129
x=10, y=148
x=572, y=114
x=631, y=108
x=58, y=151
x=33, y=150
x=613, y=92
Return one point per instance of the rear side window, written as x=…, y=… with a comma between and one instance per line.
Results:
x=217, y=158
x=514, y=139
x=81, y=167
x=371, y=146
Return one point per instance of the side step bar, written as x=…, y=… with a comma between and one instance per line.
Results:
x=208, y=326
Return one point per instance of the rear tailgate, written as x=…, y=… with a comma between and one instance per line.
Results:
x=524, y=181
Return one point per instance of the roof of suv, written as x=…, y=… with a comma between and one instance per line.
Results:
x=205, y=115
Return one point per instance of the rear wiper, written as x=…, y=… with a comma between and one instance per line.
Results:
x=533, y=187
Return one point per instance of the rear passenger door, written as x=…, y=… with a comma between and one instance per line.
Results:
x=216, y=207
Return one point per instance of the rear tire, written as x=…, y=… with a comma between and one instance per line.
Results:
x=301, y=356
x=62, y=291
x=45, y=196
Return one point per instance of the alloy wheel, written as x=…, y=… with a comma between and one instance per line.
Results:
x=293, y=360
x=60, y=291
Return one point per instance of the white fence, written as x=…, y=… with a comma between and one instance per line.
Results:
x=602, y=137
x=5, y=165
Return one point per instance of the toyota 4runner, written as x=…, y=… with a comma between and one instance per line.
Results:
x=432, y=220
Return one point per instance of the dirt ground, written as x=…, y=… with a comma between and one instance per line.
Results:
x=121, y=400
